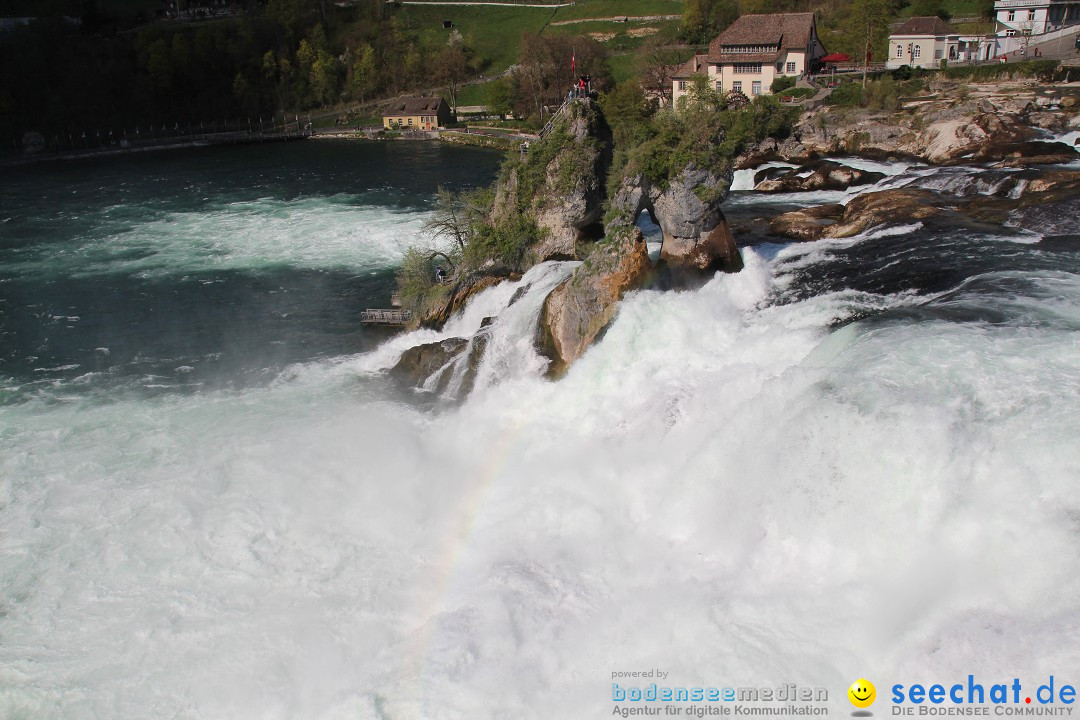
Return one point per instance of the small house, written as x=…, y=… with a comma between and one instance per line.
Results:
x=413, y=112
x=924, y=42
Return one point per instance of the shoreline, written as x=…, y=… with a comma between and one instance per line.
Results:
x=198, y=141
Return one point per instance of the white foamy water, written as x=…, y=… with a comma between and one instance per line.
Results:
x=314, y=233
x=722, y=487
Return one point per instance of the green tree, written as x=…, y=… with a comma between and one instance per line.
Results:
x=500, y=98
x=628, y=112
x=364, y=76
x=705, y=19
x=450, y=219
x=324, y=78
x=452, y=70
x=928, y=8
x=869, y=23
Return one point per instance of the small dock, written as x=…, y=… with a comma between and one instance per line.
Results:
x=392, y=317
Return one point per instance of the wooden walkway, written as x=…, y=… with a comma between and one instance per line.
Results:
x=394, y=317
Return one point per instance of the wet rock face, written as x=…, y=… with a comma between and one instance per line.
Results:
x=459, y=296
x=688, y=210
x=419, y=363
x=578, y=310
x=453, y=360
x=822, y=175
x=806, y=224
x=1038, y=153
x=859, y=215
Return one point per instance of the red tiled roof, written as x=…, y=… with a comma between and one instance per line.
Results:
x=781, y=30
x=414, y=105
x=694, y=66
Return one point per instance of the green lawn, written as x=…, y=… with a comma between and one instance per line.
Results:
x=603, y=8
x=473, y=94
x=622, y=67
x=955, y=8
x=616, y=8
x=628, y=36
x=494, y=32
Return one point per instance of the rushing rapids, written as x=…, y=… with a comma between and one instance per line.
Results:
x=856, y=456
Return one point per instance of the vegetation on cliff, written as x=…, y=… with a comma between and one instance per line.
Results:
x=708, y=132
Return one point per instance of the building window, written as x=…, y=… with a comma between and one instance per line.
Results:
x=1031, y=14
x=755, y=88
x=791, y=67
x=410, y=121
x=938, y=54
x=736, y=86
x=682, y=85
x=719, y=86
x=779, y=67
x=747, y=68
x=917, y=52
x=1010, y=33
x=1012, y=15
x=899, y=51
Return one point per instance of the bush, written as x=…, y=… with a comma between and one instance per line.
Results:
x=1041, y=69
x=782, y=83
x=507, y=243
x=848, y=94
x=415, y=279
x=882, y=94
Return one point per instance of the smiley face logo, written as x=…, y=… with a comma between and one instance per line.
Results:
x=862, y=693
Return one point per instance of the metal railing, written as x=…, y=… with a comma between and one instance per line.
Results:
x=380, y=316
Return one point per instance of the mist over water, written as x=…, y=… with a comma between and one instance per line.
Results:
x=854, y=458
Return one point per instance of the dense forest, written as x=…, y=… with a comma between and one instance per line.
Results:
x=74, y=70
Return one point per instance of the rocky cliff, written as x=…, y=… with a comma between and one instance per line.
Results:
x=559, y=182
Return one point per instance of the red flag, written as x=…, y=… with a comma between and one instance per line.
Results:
x=573, y=62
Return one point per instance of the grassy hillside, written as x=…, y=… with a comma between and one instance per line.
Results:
x=495, y=32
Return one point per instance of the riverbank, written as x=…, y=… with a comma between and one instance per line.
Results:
x=186, y=142
x=473, y=137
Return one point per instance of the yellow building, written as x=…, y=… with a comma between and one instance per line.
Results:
x=753, y=52
x=412, y=112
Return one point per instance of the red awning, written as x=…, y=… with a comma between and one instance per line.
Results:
x=836, y=57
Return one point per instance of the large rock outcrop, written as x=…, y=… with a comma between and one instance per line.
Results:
x=959, y=123
x=559, y=182
x=579, y=309
x=688, y=210
x=446, y=365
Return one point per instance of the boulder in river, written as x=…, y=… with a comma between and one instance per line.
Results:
x=859, y=215
x=823, y=175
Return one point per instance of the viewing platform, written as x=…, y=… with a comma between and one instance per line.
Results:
x=394, y=317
